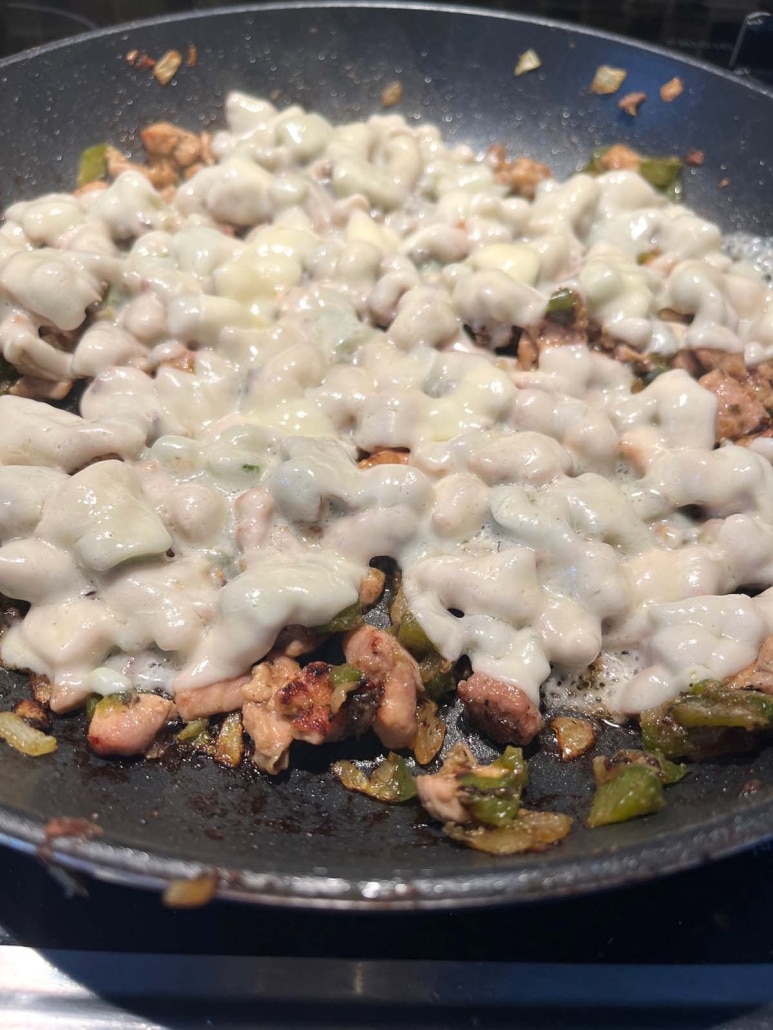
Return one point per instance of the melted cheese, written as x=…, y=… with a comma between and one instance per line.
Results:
x=546, y=519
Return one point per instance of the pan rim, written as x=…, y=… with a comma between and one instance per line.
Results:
x=397, y=5
x=725, y=834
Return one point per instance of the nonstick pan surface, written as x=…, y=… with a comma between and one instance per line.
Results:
x=303, y=839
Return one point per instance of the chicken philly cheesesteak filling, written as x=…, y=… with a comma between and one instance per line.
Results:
x=324, y=362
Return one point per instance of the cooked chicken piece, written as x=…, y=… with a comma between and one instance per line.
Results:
x=620, y=156
x=271, y=735
x=128, y=727
x=254, y=511
x=67, y=698
x=372, y=587
x=199, y=702
x=268, y=677
x=738, y=410
x=34, y=714
x=759, y=674
x=305, y=702
x=41, y=389
x=388, y=665
x=522, y=175
x=385, y=457
x=731, y=363
x=503, y=712
x=439, y=792
x=170, y=141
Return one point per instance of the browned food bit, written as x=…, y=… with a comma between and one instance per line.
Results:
x=41, y=688
x=631, y=103
x=738, y=410
x=388, y=665
x=504, y=712
x=723, y=183
x=191, y=893
x=758, y=675
x=306, y=703
x=193, y=56
x=392, y=94
x=574, y=736
x=694, y=158
x=127, y=724
x=751, y=787
x=267, y=677
x=607, y=79
x=164, y=140
x=522, y=175
x=671, y=90
x=223, y=696
x=619, y=156
x=229, y=746
x=34, y=714
x=385, y=457
x=71, y=826
x=271, y=736
x=167, y=66
x=132, y=56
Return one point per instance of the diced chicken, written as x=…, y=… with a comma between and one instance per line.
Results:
x=502, y=711
x=199, y=702
x=388, y=665
x=164, y=140
x=385, y=457
x=522, y=175
x=372, y=587
x=268, y=677
x=439, y=792
x=271, y=733
x=759, y=674
x=306, y=703
x=271, y=736
x=254, y=511
x=738, y=410
x=620, y=156
x=65, y=698
x=128, y=728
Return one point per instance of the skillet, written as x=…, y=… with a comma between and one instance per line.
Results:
x=304, y=840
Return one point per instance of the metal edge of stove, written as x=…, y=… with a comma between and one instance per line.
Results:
x=63, y=989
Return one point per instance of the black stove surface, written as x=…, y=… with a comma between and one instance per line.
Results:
x=705, y=934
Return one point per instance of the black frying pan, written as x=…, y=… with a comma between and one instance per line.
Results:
x=303, y=840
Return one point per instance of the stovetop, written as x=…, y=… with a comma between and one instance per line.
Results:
x=691, y=950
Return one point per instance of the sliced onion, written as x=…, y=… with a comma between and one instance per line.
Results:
x=528, y=62
x=608, y=79
x=16, y=732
